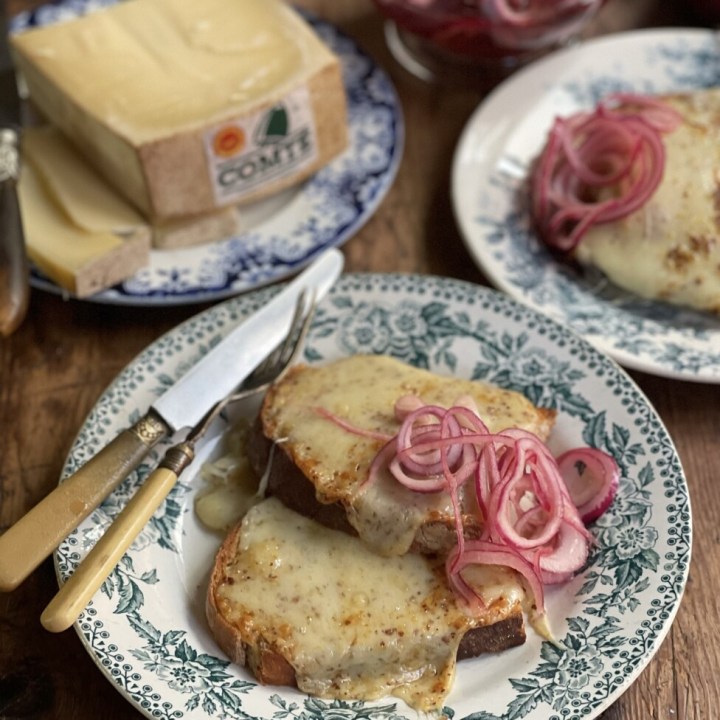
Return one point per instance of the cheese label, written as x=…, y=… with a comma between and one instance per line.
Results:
x=248, y=152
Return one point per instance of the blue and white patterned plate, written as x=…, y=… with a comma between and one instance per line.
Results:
x=290, y=230
x=498, y=144
x=146, y=629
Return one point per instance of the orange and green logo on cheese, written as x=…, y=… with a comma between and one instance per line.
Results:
x=229, y=141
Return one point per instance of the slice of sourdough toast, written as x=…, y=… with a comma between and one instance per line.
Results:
x=303, y=605
x=317, y=467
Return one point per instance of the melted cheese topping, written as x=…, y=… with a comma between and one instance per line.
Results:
x=352, y=624
x=230, y=486
x=670, y=248
x=363, y=390
x=161, y=66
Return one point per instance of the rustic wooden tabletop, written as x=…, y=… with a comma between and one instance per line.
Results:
x=65, y=354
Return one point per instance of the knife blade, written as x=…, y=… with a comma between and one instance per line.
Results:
x=32, y=538
x=14, y=269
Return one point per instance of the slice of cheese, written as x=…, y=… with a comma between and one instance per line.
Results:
x=186, y=107
x=353, y=625
x=81, y=261
x=93, y=205
x=86, y=198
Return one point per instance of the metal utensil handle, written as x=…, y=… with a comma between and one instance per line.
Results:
x=74, y=595
x=35, y=535
x=14, y=269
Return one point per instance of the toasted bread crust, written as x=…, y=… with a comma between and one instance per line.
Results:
x=263, y=661
x=289, y=484
x=295, y=474
x=252, y=651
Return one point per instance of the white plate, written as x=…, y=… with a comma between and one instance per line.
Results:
x=288, y=231
x=147, y=630
x=503, y=136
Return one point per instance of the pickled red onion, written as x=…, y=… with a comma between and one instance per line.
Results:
x=484, y=552
x=533, y=14
x=599, y=166
x=530, y=519
x=592, y=479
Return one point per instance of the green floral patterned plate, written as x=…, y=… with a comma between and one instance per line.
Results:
x=146, y=628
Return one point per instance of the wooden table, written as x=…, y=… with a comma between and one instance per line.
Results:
x=55, y=367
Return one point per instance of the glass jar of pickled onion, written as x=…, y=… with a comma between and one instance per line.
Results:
x=451, y=39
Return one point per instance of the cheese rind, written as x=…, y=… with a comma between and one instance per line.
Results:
x=141, y=85
x=197, y=230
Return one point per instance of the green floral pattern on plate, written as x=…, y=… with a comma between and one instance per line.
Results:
x=146, y=628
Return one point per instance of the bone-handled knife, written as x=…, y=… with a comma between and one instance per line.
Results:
x=14, y=269
x=32, y=538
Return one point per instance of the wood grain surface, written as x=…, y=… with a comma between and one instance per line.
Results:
x=66, y=353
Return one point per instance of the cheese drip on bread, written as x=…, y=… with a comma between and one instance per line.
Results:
x=350, y=623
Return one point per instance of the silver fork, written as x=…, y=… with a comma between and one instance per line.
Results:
x=73, y=596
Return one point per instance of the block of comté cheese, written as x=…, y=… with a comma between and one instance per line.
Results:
x=186, y=107
x=80, y=232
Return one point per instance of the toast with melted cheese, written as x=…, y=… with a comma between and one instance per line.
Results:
x=317, y=467
x=303, y=605
x=669, y=249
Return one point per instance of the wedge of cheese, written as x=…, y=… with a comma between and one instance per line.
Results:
x=187, y=107
x=80, y=260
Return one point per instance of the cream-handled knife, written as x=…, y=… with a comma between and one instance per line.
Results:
x=96, y=566
x=32, y=538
